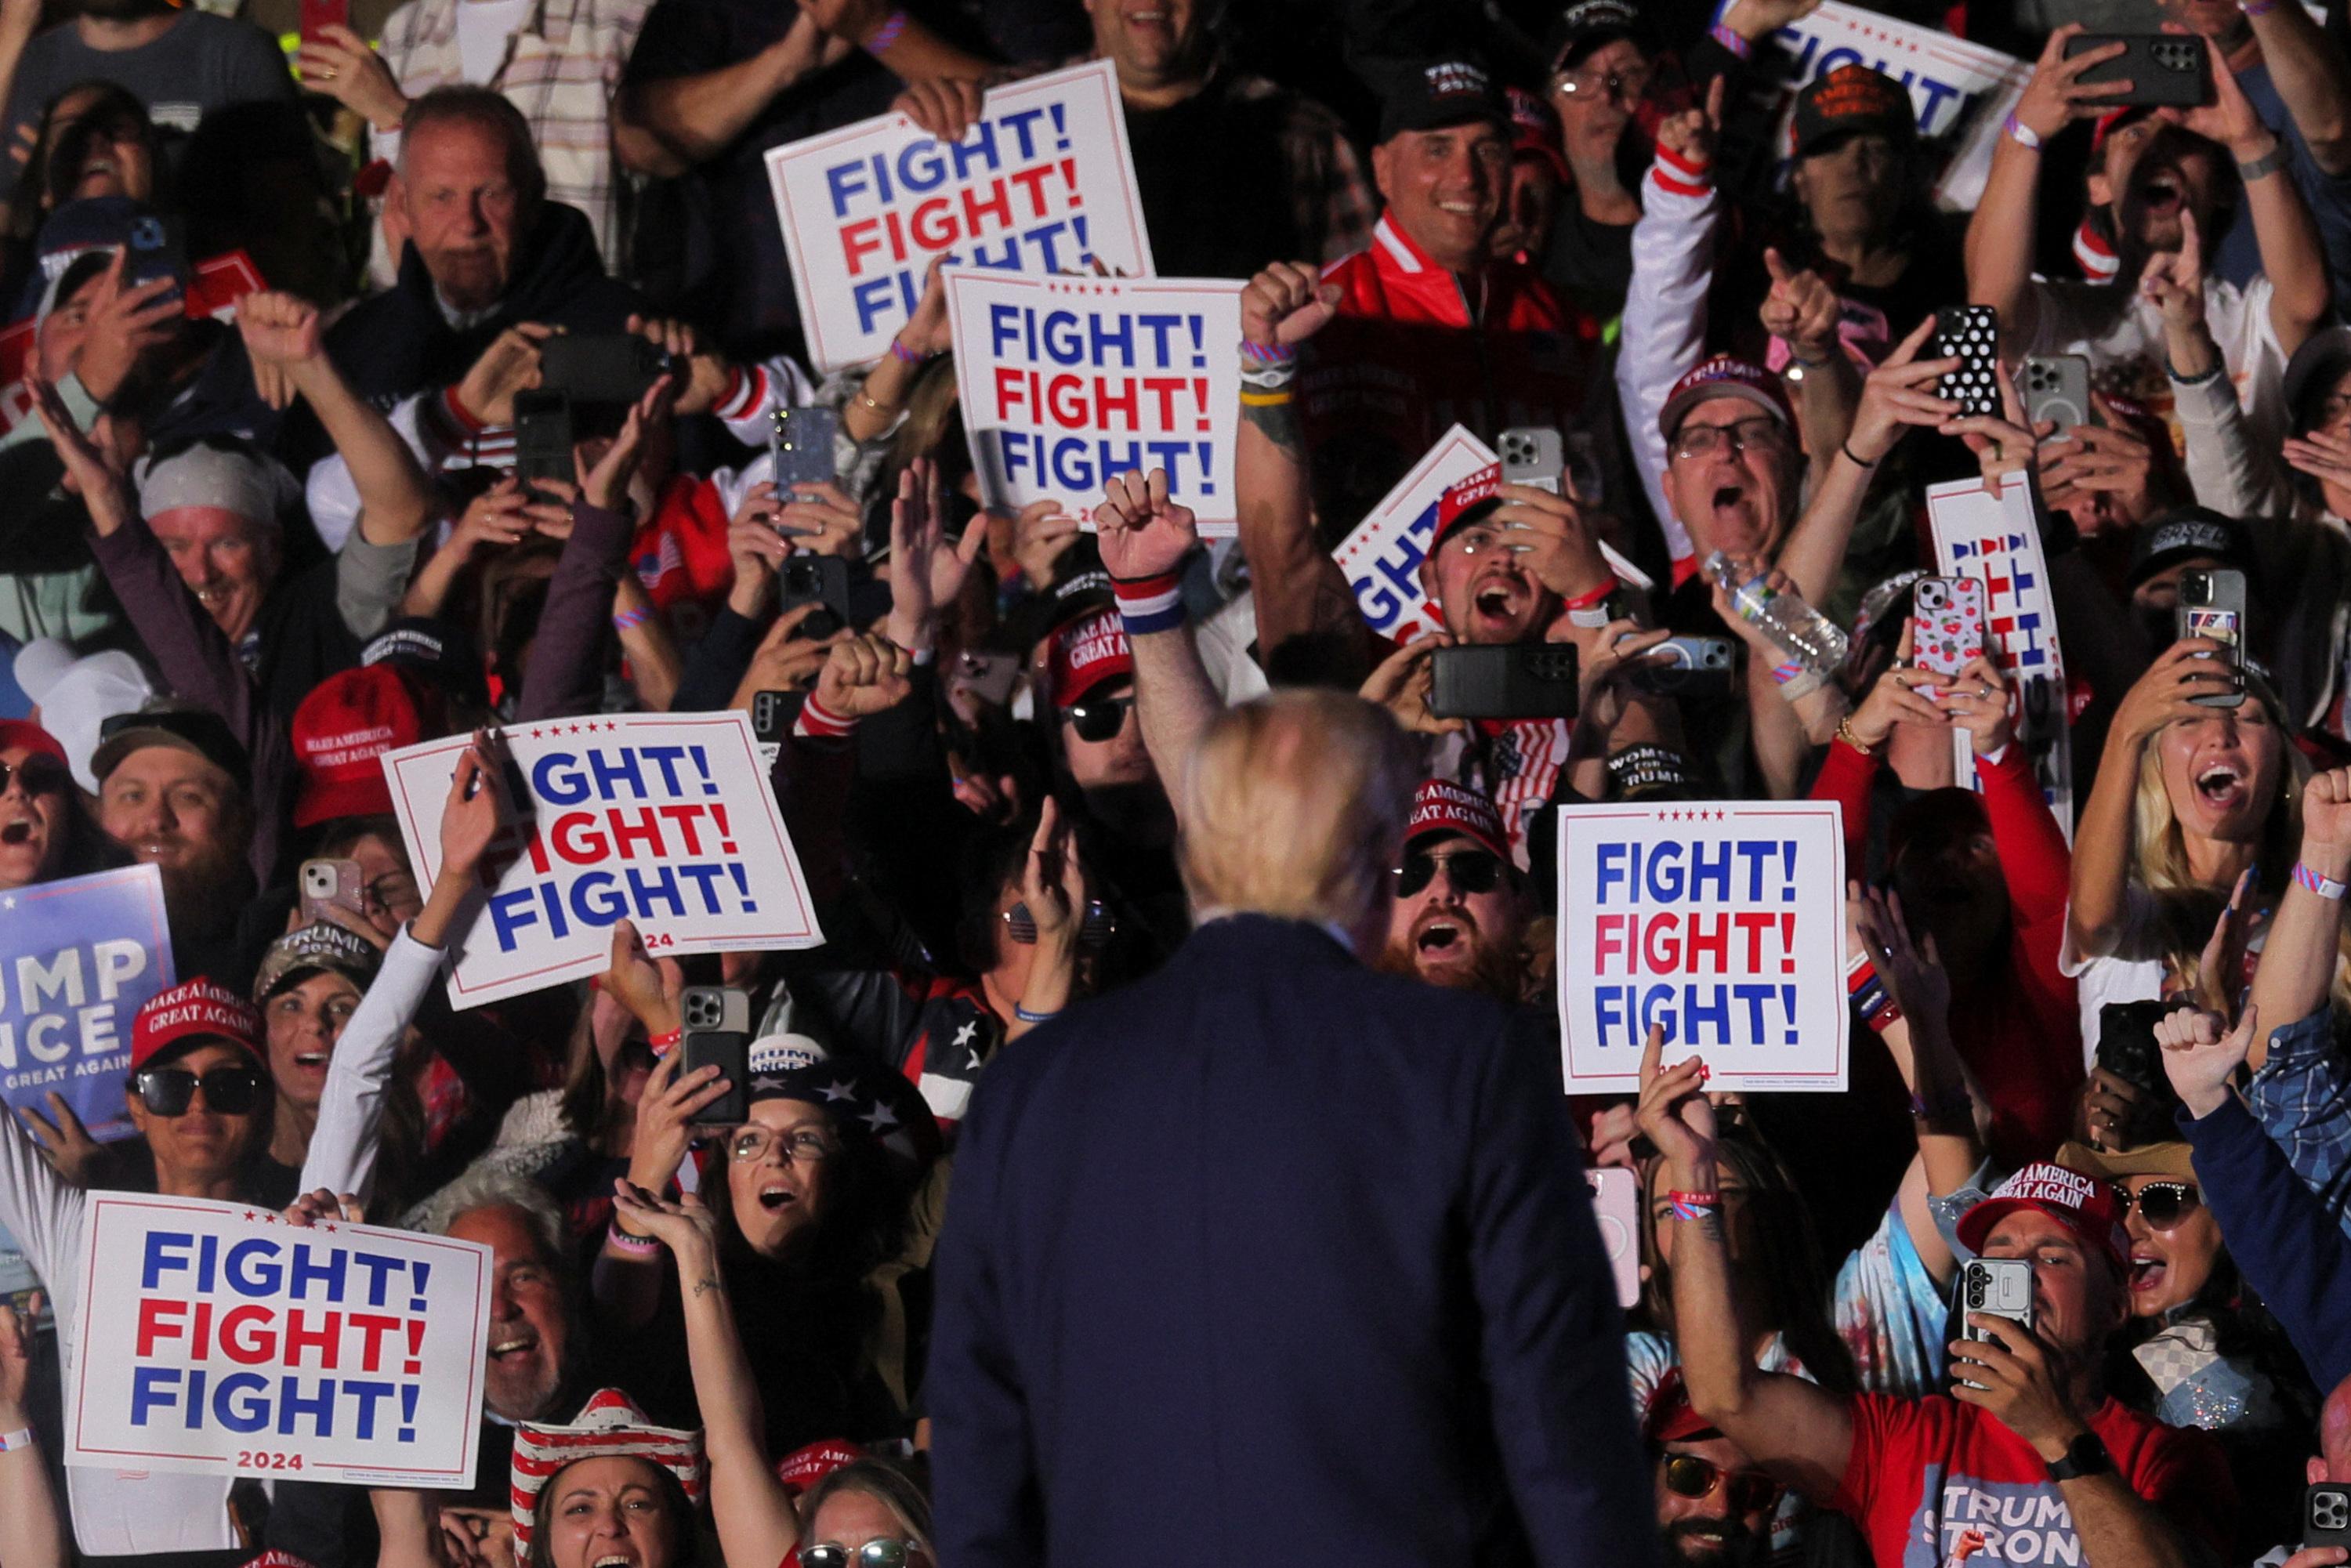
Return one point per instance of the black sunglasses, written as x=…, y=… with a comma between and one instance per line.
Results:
x=1099, y=718
x=2164, y=1203
x=1690, y=1476
x=40, y=773
x=168, y=1091
x=882, y=1553
x=1094, y=931
x=1471, y=872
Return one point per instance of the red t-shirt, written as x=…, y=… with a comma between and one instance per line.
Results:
x=1924, y=1473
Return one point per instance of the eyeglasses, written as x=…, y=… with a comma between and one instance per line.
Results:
x=1471, y=872
x=1585, y=87
x=392, y=893
x=1098, y=718
x=1686, y=1475
x=805, y=1147
x=170, y=1090
x=2164, y=1203
x=1094, y=931
x=882, y=1553
x=40, y=774
x=1764, y=433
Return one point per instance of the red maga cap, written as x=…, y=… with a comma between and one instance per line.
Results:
x=1441, y=807
x=341, y=731
x=2082, y=1204
x=193, y=1010
x=1463, y=499
x=1085, y=654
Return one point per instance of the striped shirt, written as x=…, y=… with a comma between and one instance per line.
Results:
x=561, y=68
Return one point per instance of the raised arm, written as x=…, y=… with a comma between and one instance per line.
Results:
x=1298, y=590
x=567, y=666
x=348, y=1135
x=1797, y=1430
x=282, y=338
x=664, y=128
x=2288, y=240
x=32, y=1526
x=2296, y=977
x=748, y=1502
x=2307, y=69
x=2000, y=234
x=2102, y=835
x=1145, y=540
x=1895, y=396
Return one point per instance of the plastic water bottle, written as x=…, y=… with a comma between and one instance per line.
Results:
x=1803, y=632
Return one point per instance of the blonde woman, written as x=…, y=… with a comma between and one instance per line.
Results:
x=2188, y=798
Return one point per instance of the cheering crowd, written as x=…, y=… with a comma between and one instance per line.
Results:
x=1166, y=1155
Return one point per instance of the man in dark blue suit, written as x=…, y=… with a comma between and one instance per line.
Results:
x=1270, y=1258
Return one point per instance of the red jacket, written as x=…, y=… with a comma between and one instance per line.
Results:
x=2020, y=1032
x=1417, y=348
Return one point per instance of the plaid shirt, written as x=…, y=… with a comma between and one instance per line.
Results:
x=2302, y=1098
x=562, y=70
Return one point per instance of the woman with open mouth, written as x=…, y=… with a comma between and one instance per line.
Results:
x=2198, y=1351
x=609, y=1490
x=2189, y=796
x=45, y=832
x=810, y=1197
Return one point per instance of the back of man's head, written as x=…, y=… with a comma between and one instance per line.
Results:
x=1295, y=805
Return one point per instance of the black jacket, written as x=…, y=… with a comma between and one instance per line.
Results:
x=399, y=342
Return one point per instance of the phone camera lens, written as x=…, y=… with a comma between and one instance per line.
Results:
x=1975, y=1292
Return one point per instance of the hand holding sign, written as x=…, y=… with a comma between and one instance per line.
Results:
x=944, y=108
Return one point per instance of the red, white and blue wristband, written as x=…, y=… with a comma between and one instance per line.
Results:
x=2318, y=883
x=1694, y=1205
x=1731, y=40
x=886, y=34
x=22, y=1437
x=1148, y=604
x=1679, y=176
x=1869, y=996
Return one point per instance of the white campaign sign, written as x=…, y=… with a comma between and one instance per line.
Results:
x=1042, y=182
x=1382, y=558
x=215, y=1337
x=1721, y=921
x=1961, y=91
x=1996, y=539
x=1067, y=380
x=664, y=819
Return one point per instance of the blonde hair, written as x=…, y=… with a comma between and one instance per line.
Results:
x=1295, y=805
x=2185, y=908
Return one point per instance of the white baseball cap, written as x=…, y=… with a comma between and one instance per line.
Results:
x=76, y=694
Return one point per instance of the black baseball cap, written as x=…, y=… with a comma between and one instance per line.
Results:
x=1586, y=25
x=436, y=651
x=2192, y=533
x=181, y=724
x=1432, y=94
x=2312, y=373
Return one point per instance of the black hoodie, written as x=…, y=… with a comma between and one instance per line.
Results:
x=399, y=342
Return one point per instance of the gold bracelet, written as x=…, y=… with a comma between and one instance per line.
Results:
x=1844, y=733
x=885, y=409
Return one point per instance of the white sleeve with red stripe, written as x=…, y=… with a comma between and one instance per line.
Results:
x=755, y=391
x=1664, y=314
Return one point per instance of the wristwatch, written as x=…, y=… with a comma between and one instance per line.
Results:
x=2084, y=1455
